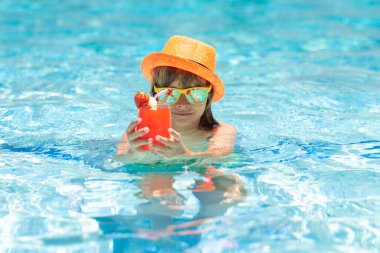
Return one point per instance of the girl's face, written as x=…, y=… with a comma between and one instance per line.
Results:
x=183, y=112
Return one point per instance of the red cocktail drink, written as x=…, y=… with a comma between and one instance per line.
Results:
x=158, y=121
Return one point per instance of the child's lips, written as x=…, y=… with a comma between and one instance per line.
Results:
x=182, y=113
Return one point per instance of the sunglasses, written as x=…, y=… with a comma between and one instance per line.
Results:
x=195, y=95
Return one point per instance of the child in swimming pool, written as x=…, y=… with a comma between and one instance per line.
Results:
x=184, y=63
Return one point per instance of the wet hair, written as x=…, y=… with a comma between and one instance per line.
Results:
x=164, y=76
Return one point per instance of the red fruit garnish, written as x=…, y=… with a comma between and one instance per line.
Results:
x=141, y=99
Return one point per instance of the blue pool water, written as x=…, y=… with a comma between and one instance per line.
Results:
x=302, y=87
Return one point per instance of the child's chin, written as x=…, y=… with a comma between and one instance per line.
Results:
x=182, y=122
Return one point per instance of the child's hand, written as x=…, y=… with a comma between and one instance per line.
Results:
x=172, y=147
x=132, y=136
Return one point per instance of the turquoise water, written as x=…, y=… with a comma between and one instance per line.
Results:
x=302, y=87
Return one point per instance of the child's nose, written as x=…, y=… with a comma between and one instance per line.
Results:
x=182, y=102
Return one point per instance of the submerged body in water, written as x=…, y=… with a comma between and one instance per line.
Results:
x=162, y=213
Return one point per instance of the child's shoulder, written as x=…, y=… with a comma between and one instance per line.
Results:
x=223, y=138
x=225, y=128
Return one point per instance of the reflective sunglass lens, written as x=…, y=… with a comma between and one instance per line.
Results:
x=197, y=95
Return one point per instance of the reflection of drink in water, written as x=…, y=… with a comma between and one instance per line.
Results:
x=157, y=119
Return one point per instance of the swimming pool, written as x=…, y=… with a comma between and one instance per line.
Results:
x=302, y=83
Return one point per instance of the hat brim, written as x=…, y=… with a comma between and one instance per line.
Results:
x=154, y=60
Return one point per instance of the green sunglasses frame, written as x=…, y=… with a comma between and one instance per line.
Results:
x=183, y=91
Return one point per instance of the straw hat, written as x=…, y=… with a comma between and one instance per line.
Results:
x=187, y=54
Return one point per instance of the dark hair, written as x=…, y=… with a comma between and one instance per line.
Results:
x=164, y=76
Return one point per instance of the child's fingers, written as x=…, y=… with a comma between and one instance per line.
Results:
x=138, y=143
x=165, y=141
x=175, y=134
x=132, y=125
x=160, y=149
x=162, y=153
x=134, y=135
